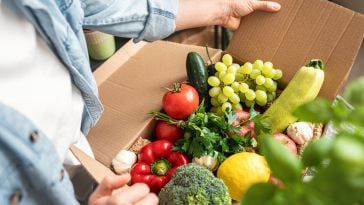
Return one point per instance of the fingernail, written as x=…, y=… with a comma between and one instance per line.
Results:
x=276, y=6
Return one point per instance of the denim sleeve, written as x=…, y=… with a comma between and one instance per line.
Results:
x=139, y=19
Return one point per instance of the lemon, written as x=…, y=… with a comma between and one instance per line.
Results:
x=242, y=170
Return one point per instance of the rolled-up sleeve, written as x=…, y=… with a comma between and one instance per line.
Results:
x=138, y=19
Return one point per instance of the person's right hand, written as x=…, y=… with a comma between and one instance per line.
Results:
x=239, y=8
x=114, y=191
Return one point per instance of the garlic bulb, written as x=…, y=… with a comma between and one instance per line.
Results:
x=300, y=132
x=123, y=161
x=210, y=162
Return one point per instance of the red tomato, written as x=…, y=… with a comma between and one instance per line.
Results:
x=165, y=131
x=181, y=102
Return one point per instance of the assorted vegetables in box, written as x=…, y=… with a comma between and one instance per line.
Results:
x=206, y=147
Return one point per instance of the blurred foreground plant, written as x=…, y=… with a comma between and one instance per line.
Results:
x=336, y=161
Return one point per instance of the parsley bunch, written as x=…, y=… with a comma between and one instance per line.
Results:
x=206, y=133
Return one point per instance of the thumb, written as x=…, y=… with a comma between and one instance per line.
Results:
x=265, y=5
x=110, y=183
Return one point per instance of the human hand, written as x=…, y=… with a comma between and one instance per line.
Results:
x=239, y=8
x=113, y=191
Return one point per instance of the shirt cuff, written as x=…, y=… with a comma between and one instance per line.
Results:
x=161, y=20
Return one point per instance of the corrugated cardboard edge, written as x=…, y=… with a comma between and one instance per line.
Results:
x=119, y=58
x=97, y=170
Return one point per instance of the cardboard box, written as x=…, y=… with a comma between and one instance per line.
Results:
x=130, y=82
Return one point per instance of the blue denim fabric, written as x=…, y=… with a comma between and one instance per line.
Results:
x=30, y=169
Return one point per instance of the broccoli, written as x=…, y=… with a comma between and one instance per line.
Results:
x=193, y=184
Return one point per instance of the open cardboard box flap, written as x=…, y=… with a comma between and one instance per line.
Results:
x=130, y=82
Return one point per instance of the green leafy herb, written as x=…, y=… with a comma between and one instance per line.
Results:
x=207, y=132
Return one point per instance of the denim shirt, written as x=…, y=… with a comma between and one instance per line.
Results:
x=30, y=170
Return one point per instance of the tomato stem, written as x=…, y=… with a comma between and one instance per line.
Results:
x=164, y=117
x=176, y=88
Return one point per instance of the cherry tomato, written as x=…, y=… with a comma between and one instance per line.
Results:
x=165, y=131
x=180, y=102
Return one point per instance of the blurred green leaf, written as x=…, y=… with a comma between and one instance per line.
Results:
x=259, y=194
x=318, y=111
x=357, y=117
x=283, y=163
x=354, y=92
x=316, y=152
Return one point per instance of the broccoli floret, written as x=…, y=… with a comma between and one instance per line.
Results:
x=193, y=184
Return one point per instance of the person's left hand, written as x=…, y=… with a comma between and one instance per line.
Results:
x=114, y=191
x=239, y=8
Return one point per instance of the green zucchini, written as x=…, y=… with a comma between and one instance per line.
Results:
x=304, y=87
x=197, y=74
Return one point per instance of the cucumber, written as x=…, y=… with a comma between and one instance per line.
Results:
x=197, y=74
x=304, y=87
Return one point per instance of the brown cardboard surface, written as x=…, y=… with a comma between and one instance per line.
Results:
x=131, y=88
x=130, y=81
x=302, y=30
x=97, y=170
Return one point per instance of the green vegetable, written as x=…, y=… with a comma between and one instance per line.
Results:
x=197, y=74
x=194, y=185
x=303, y=87
x=207, y=133
x=337, y=162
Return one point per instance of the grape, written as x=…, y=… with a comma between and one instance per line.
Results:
x=226, y=106
x=273, y=87
x=239, y=76
x=260, y=80
x=260, y=87
x=214, y=101
x=271, y=96
x=268, y=70
x=268, y=64
x=254, y=73
x=246, y=68
x=219, y=66
x=214, y=91
x=221, y=98
x=213, y=81
x=221, y=74
x=234, y=98
x=250, y=95
x=242, y=96
x=233, y=68
x=228, y=91
x=237, y=106
x=278, y=74
x=243, y=88
x=261, y=96
x=227, y=59
x=249, y=103
x=268, y=83
x=228, y=78
x=235, y=85
x=219, y=111
x=258, y=64
x=217, y=74
x=262, y=103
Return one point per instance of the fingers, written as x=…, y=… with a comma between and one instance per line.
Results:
x=150, y=199
x=111, y=183
x=131, y=195
x=265, y=5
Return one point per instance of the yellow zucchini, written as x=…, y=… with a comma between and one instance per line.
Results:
x=304, y=86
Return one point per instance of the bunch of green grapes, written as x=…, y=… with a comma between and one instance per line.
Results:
x=233, y=85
